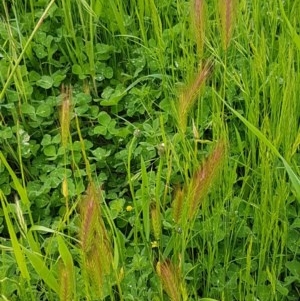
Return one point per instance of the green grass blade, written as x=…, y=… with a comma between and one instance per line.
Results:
x=293, y=177
x=293, y=32
x=40, y=267
x=68, y=261
x=20, y=258
x=18, y=61
x=22, y=192
x=65, y=253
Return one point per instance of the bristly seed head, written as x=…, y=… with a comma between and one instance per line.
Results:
x=204, y=177
x=156, y=220
x=188, y=96
x=65, y=114
x=90, y=214
x=170, y=279
x=198, y=20
x=227, y=14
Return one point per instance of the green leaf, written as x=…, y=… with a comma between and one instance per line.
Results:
x=112, y=101
x=45, y=82
x=58, y=77
x=281, y=289
x=76, y=69
x=103, y=51
x=27, y=109
x=40, y=51
x=296, y=223
x=100, y=153
x=81, y=99
x=50, y=151
x=104, y=118
x=44, y=110
x=108, y=72
x=34, y=76
x=294, y=267
x=6, y=133
x=112, y=127
x=56, y=139
x=46, y=140
x=100, y=130
x=111, y=96
x=116, y=206
x=81, y=110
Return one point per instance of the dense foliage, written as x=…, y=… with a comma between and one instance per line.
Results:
x=149, y=150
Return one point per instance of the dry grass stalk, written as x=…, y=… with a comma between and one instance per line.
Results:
x=65, y=114
x=188, y=96
x=227, y=9
x=204, y=177
x=198, y=21
x=170, y=278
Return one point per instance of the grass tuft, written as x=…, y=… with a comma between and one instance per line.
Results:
x=87, y=96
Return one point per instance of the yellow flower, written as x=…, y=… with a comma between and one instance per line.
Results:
x=154, y=244
x=129, y=208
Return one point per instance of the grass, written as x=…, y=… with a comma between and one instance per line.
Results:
x=149, y=150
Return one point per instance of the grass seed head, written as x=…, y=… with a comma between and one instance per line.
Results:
x=177, y=205
x=198, y=22
x=204, y=177
x=156, y=220
x=169, y=277
x=65, y=190
x=65, y=283
x=65, y=114
x=90, y=217
x=188, y=96
x=107, y=256
x=98, y=262
x=227, y=13
x=95, y=270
